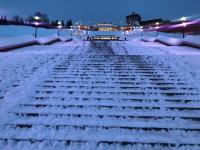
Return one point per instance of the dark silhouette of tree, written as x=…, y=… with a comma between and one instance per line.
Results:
x=22, y=21
x=3, y=20
x=63, y=23
x=30, y=19
x=53, y=23
x=69, y=23
x=17, y=20
x=43, y=17
x=56, y=23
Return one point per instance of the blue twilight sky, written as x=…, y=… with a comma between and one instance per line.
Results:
x=101, y=10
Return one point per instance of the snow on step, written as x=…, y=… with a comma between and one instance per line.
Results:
x=107, y=102
x=15, y=71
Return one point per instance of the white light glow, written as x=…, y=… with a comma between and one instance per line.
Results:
x=184, y=24
x=157, y=23
x=59, y=26
x=37, y=18
x=183, y=19
x=36, y=23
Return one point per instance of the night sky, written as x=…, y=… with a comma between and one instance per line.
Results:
x=101, y=10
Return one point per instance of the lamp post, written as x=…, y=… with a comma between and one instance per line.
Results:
x=157, y=27
x=141, y=30
x=183, y=19
x=59, y=27
x=36, y=18
x=71, y=29
x=124, y=31
x=79, y=30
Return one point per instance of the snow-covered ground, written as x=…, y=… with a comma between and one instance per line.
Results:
x=12, y=30
x=12, y=37
x=100, y=95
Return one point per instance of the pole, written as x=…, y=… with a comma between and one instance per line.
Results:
x=183, y=32
x=36, y=30
x=58, y=32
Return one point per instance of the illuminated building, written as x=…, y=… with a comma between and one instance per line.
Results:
x=105, y=38
x=106, y=27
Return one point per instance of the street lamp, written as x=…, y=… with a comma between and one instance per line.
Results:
x=141, y=30
x=157, y=27
x=59, y=27
x=71, y=30
x=183, y=19
x=78, y=28
x=37, y=19
x=157, y=23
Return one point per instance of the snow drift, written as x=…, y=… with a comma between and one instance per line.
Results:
x=48, y=40
x=10, y=43
x=148, y=39
x=189, y=40
x=170, y=41
x=192, y=40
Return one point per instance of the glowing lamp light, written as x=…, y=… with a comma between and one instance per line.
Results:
x=157, y=27
x=157, y=23
x=183, y=19
x=37, y=18
x=184, y=24
x=59, y=23
x=36, y=23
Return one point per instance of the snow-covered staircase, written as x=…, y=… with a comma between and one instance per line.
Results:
x=14, y=72
x=107, y=102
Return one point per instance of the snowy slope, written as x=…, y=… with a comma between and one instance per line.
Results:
x=172, y=39
x=48, y=39
x=148, y=39
x=192, y=40
x=12, y=37
x=10, y=43
x=11, y=30
x=16, y=40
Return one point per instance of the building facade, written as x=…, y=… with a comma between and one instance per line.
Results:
x=134, y=19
